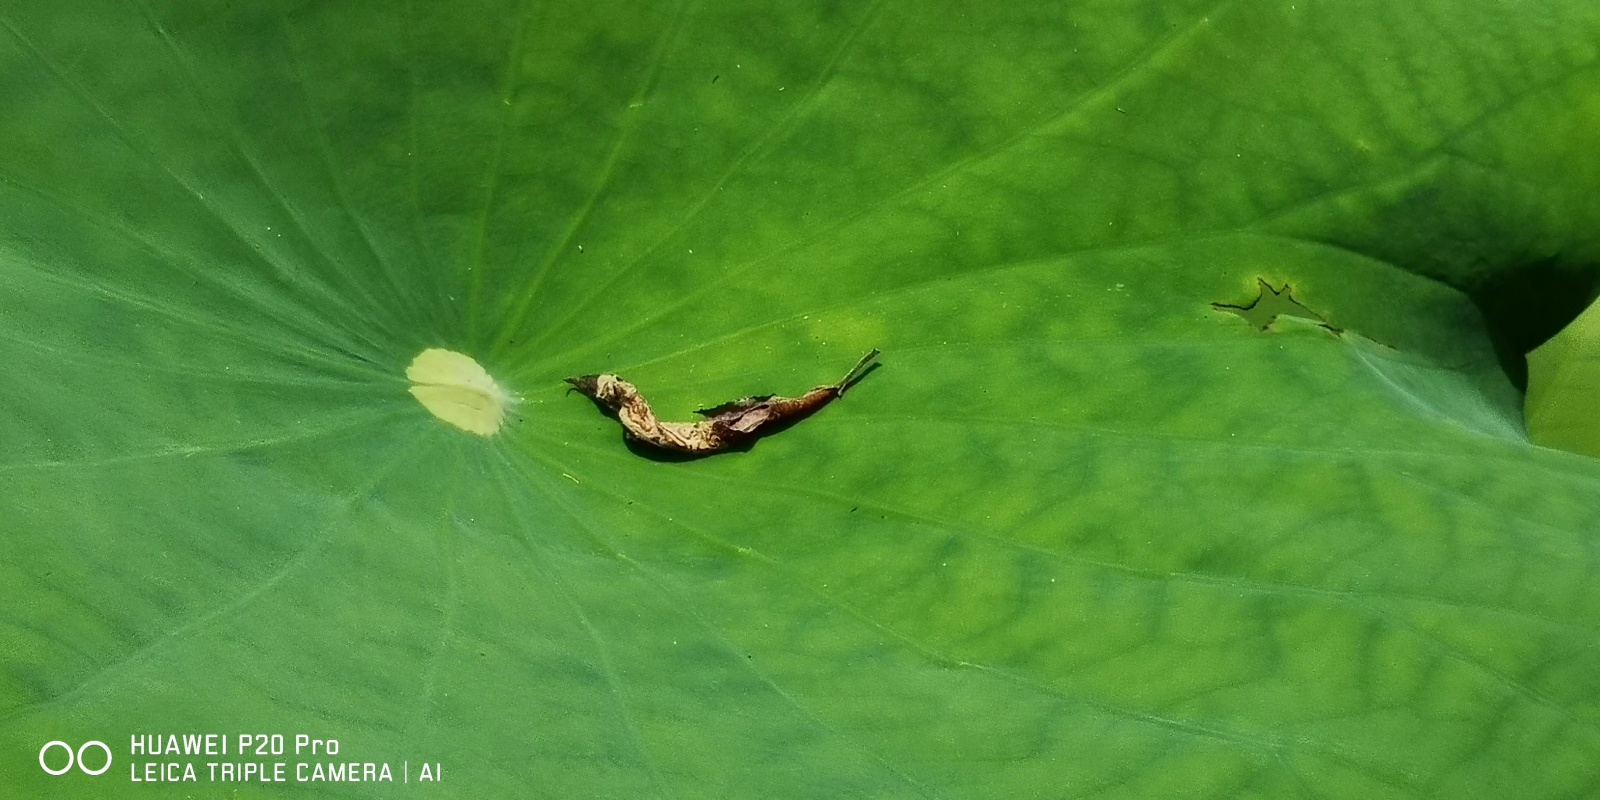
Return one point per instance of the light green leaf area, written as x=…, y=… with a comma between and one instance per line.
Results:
x=1563, y=403
x=1082, y=535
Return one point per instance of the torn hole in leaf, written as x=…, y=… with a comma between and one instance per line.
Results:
x=730, y=426
x=1272, y=303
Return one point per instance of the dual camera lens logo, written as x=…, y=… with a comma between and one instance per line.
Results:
x=74, y=757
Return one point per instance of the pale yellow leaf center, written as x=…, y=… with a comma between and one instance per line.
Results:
x=459, y=391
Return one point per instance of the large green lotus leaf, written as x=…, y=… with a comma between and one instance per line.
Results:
x=1083, y=535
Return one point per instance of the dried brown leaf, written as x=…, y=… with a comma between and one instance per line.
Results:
x=725, y=427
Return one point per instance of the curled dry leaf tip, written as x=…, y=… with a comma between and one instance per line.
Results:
x=726, y=426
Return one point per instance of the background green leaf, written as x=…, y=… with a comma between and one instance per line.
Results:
x=1564, y=387
x=1082, y=535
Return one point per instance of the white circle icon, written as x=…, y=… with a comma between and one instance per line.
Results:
x=74, y=757
x=46, y=749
